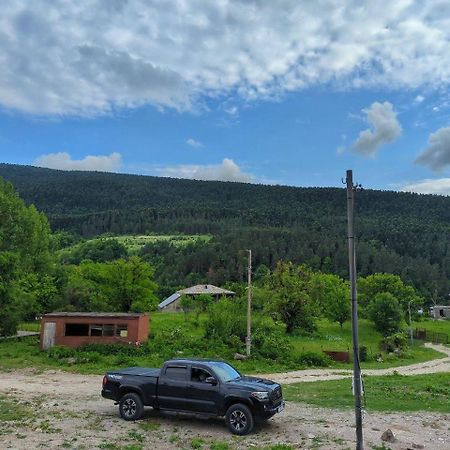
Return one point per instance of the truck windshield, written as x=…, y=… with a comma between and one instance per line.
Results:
x=224, y=371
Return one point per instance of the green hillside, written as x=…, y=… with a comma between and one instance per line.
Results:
x=402, y=233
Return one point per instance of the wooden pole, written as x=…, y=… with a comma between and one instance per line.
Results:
x=357, y=383
x=248, y=340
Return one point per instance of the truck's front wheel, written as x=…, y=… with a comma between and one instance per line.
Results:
x=239, y=419
x=131, y=406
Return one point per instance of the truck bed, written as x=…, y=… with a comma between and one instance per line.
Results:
x=138, y=371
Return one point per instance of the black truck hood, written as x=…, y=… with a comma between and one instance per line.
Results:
x=254, y=383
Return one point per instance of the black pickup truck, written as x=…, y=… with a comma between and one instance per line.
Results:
x=201, y=387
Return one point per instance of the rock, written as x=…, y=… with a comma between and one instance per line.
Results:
x=240, y=357
x=310, y=436
x=388, y=436
x=418, y=446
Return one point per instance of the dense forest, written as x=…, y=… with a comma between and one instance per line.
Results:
x=399, y=233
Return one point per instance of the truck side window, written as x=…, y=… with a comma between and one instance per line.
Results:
x=199, y=375
x=176, y=372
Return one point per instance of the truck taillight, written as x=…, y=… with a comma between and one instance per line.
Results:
x=105, y=380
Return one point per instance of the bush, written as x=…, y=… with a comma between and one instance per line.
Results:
x=59, y=352
x=313, y=359
x=395, y=343
x=269, y=339
x=225, y=323
x=363, y=353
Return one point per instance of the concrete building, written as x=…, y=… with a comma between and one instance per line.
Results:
x=78, y=328
x=440, y=312
x=172, y=303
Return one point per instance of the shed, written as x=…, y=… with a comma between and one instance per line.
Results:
x=172, y=303
x=440, y=312
x=74, y=329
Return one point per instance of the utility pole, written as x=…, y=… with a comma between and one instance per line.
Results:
x=410, y=324
x=248, y=341
x=357, y=383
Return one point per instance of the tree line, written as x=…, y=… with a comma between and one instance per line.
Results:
x=400, y=233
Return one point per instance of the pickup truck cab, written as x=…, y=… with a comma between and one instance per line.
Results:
x=200, y=387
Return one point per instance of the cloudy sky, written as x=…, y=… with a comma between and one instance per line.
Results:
x=281, y=92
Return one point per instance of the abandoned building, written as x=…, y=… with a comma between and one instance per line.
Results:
x=74, y=329
x=172, y=303
x=440, y=312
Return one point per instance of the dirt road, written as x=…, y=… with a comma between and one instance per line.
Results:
x=65, y=410
x=434, y=366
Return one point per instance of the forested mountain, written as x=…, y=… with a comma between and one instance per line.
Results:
x=401, y=233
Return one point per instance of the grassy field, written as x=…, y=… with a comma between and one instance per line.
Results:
x=134, y=243
x=385, y=393
x=438, y=326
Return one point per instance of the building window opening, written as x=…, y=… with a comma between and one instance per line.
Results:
x=122, y=330
x=77, y=329
x=96, y=330
x=101, y=330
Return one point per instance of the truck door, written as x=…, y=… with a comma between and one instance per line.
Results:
x=173, y=387
x=202, y=396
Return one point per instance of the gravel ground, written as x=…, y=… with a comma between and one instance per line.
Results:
x=69, y=413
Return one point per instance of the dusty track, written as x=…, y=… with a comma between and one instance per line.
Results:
x=71, y=413
x=434, y=366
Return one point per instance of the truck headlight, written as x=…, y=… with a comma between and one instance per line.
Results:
x=260, y=395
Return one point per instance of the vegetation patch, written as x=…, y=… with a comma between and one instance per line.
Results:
x=382, y=393
x=11, y=410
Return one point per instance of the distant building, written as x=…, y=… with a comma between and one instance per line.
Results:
x=440, y=312
x=172, y=303
x=74, y=329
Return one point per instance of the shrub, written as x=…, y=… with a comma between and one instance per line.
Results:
x=395, y=343
x=314, y=359
x=363, y=353
x=58, y=352
x=269, y=339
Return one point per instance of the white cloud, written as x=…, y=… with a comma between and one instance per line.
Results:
x=385, y=129
x=63, y=161
x=437, y=154
x=228, y=170
x=86, y=58
x=193, y=143
x=419, y=99
x=439, y=186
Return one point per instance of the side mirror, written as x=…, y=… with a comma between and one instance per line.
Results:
x=211, y=380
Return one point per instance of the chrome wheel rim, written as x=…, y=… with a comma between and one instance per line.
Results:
x=129, y=407
x=238, y=420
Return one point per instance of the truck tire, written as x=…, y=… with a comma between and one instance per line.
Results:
x=239, y=419
x=131, y=406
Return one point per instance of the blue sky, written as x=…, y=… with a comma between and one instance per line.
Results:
x=233, y=91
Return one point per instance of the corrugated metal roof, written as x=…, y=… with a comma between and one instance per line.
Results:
x=198, y=289
x=205, y=289
x=169, y=300
x=94, y=314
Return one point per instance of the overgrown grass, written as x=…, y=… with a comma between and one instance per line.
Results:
x=177, y=335
x=438, y=326
x=429, y=392
x=29, y=326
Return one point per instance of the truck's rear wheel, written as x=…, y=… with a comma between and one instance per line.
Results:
x=131, y=406
x=239, y=419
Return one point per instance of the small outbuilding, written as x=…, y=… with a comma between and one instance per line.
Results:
x=440, y=312
x=74, y=329
x=172, y=303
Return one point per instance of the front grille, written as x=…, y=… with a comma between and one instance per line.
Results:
x=276, y=394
